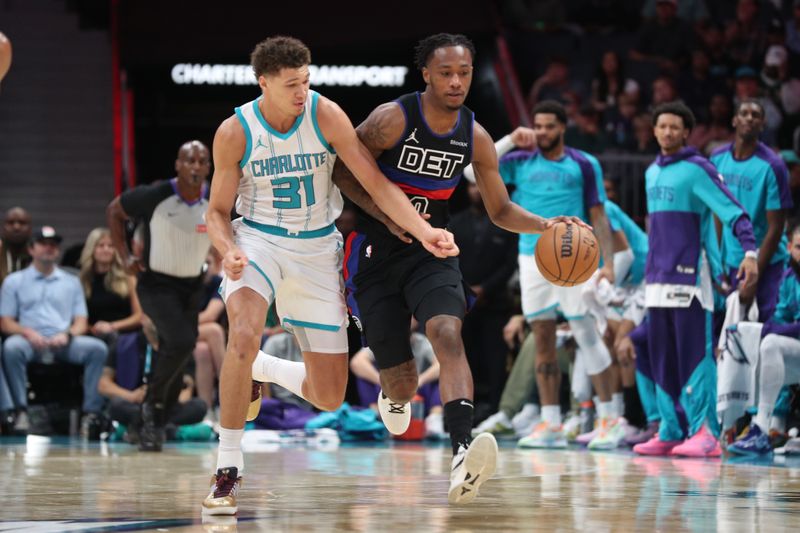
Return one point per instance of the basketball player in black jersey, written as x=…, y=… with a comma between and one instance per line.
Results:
x=422, y=142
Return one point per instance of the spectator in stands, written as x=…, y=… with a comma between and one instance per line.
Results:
x=691, y=11
x=554, y=83
x=43, y=312
x=487, y=261
x=587, y=133
x=619, y=122
x=696, y=86
x=608, y=83
x=110, y=292
x=717, y=130
x=15, y=239
x=170, y=283
x=645, y=141
x=745, y=36
x=721, y=65
x=663, y=90
x=123, y=383
x=665, y=41
x=210, y=348
x=782, y=89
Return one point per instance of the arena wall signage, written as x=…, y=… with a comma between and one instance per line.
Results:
x=321, y=75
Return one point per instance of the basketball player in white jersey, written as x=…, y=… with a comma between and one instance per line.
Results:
x=277, y=153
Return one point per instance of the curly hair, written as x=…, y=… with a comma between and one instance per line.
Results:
x=675, y=108
x=272, y=54
x=427, y=46
x=547, y=107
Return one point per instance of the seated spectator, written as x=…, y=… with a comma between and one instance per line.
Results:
x=665, y=41
x=745, y=36
x=43, y=311
x=664, y=90
x=619, y=122
x=721, y=65
x=793, y=164
x=793, y=30
x=782, y=89
x=586, y=134
x=123, y=383
x=691, y=11
x=210, y=348
x=609, y=82
x=110, y=293
x=717, y=130
x=554, y=83
x=16, y=235
x=368, y=380
x=696, y=86
x=644, y=140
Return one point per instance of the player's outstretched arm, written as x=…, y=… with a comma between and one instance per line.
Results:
x=229, y=148
x=503, y=212
x=339, y=132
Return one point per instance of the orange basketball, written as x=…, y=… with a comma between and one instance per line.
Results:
x=567, y=255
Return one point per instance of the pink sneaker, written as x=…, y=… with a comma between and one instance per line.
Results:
x=701, y=444
x=642, y=435
x=656, y=446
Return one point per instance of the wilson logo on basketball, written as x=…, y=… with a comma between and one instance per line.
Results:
x=566, y=242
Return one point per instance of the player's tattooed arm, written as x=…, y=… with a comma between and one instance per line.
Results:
x=548, y=369
x=377, y=133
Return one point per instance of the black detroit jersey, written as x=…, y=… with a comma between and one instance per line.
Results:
x=425, y=165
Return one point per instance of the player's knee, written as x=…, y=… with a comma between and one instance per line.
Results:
x=770, y=346
x=244, y=341
x=445, y=336
x=213, y=330
x=330, y=400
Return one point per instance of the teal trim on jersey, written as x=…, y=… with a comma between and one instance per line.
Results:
x=263, y=274
x=249, y=146
x=312, y=325
x=574, y=317
x=283, y=232
x=314, y=99
x=272, y=130
x=541, y=311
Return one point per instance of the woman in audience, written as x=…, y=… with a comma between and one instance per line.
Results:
x=210, y=347
x=110, y=292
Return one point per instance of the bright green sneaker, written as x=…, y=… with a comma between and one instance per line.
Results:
x=610, y=435
x=544, y=436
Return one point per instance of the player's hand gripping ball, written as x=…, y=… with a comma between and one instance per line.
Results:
x=567, y=254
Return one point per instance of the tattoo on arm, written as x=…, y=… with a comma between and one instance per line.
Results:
x=548, y=369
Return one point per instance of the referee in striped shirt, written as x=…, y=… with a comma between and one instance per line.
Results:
x=172, y=214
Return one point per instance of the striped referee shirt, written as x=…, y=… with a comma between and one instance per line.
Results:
x=176, y=242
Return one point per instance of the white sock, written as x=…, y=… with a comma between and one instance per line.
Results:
x=288, y=374
x=551, y=414
x=619, y=405
x=605, y=410
x=230, y=449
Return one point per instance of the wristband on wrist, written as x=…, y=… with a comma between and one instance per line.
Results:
x=751, y=254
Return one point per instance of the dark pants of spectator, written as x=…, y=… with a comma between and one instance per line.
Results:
x=172, y=305
x=482, y=333
x=128, y=413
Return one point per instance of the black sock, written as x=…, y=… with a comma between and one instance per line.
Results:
x=458, y=418
x=634, y=412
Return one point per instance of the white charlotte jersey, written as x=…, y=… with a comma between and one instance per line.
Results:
x=286, y=177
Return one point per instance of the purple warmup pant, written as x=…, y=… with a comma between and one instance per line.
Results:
x=683, y=369
x=769, y=283
x=368, y=392
x=644, y=372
